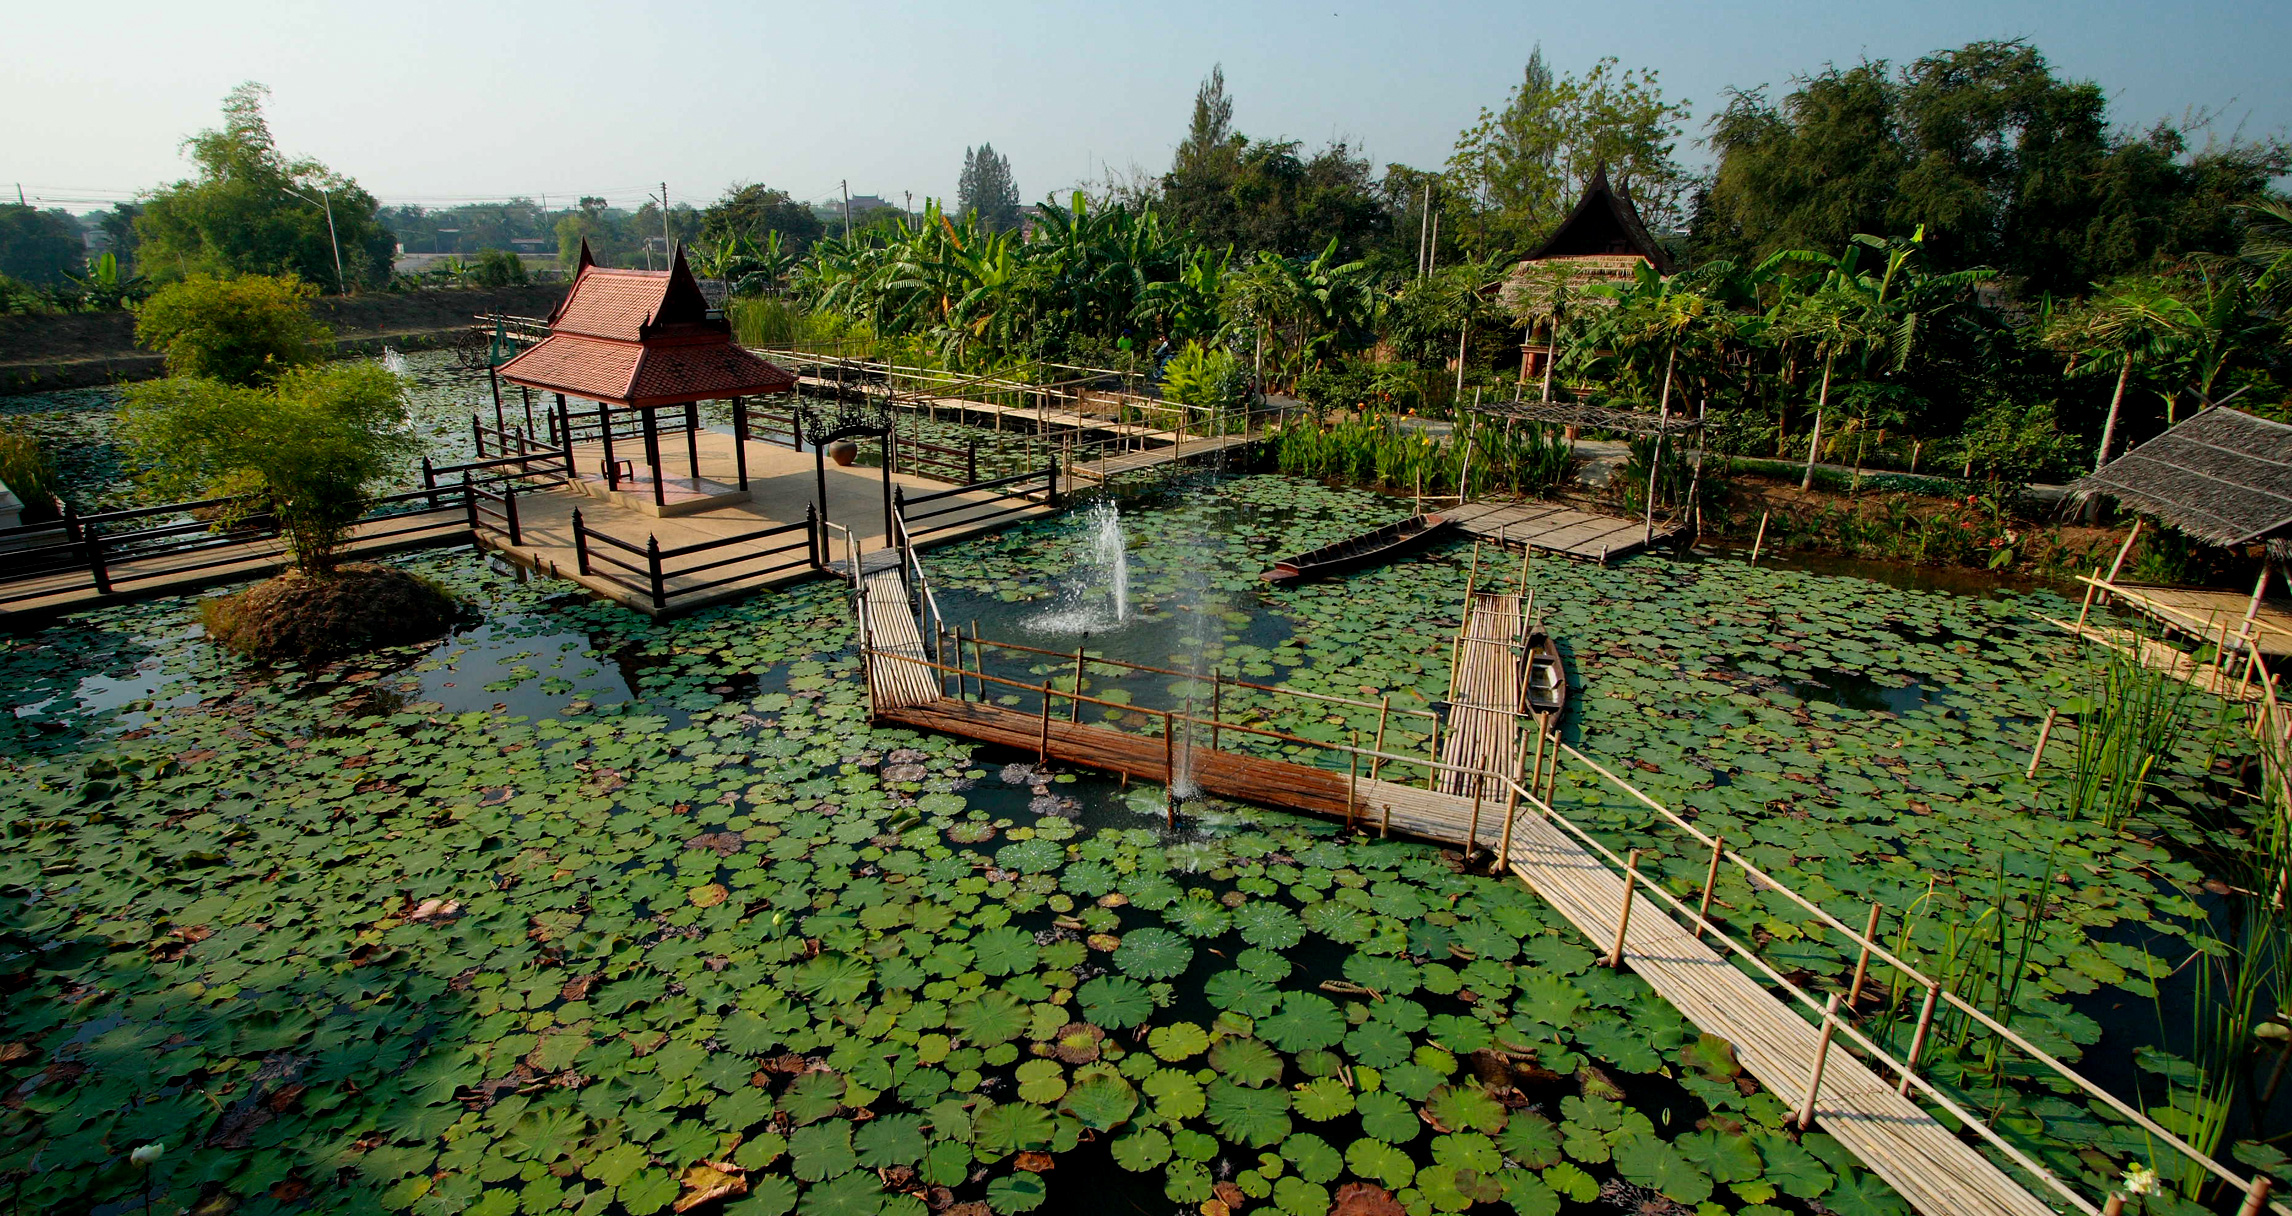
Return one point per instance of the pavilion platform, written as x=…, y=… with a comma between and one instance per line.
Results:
x=782, y=484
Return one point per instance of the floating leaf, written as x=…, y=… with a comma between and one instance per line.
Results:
x=1312, y=1158
x=1388, y=1117
x=1268, y=925
x=821, y=1150
x=1254, y=1117
x=988, y=1018
x=1651, y=1163
x=1242, y=992
x=1141, y=1150
x=890, y=1140
x=1114, y=1002
x=1306, y=1022
x=1377, y=1160
x=1041, y=1081
x=1246, y=1061
x=999, y=1131
x=1177, y=1041
x=1377, y=1045
x=1005, y=951
x=1323, y=1099
x=813, y=1096
x=1465, y=1106
x=1101, y=1101
x=1177, y=1095
x=832, y=979
x=1153, y=954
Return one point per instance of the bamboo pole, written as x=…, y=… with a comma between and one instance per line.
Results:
x=1217, y=688
x=1042, y=751
x=1472, y=829
x=1384, y=707
x=2044, y=733
x=1353, y=781
x=1761, y=539
x=1710, y=882
x=1822, y=1052
x=1432, y=756
x=1074, y=703
x=2087, y=610
x=1918, y=1037
x=2123, y=551
x=1615, y=958
x=1169, y=771
x=2256, y=1196
x=1862, y=964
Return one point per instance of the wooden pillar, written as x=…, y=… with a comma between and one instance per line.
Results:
x=653, y=457
x=740, y=440
x=820, y=467
x=605, y=432
x=526, y=395
x=493, y=379
x=565, y=434
x=888, y=530
x=692, y=437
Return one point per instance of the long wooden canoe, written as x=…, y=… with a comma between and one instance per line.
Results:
x=1547, y=681
x=1367, y=549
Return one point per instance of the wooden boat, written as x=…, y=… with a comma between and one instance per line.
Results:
x=1367, y=549
x=1547, y=681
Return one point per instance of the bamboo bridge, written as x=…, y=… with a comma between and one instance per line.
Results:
x=1491, y=790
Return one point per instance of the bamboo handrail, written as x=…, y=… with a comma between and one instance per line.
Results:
x=1164, y=671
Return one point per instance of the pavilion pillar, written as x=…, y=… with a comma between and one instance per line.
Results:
x=740, y=441
x=820, y=466
x=605, y=431
x=692, y=437
x=526, y=394
x=493, y=378
x=653, y=456
x=565, y=435
x=889, y=533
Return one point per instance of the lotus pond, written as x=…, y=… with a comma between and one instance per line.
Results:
x=578, y=913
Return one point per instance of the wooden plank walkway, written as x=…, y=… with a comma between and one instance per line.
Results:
x=1558, y=529
x=1107, y=468
x=1487, y=687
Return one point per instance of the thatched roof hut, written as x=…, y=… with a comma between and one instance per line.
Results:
x=2221, y=475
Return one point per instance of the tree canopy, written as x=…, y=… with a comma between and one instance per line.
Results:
x=251, y=210
x=38, y=246
x=987, y=190
x=245, y=332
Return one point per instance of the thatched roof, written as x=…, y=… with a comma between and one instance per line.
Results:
x=2222, y=476
x=1604, y=223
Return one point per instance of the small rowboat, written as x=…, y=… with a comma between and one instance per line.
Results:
x=1367, y=549
x=1547, y=681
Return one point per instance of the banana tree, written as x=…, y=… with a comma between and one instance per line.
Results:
x=2134, y=323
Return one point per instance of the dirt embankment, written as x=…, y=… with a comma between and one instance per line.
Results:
x=76, y=350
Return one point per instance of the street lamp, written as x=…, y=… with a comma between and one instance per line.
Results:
x=326, y=200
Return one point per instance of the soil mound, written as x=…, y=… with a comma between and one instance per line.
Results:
x=359, y=606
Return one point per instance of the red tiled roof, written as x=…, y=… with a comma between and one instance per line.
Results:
x=641, y=337
x=636, y=373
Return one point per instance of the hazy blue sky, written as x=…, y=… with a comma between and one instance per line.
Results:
x=439, y=103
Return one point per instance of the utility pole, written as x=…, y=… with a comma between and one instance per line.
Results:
x=326, y=200
x=1424, y=226
x=847, y=184
x=666, y=250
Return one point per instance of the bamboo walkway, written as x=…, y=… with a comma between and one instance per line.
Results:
x=1107, y=468
x=1487, y=692
x=1558, y=529
x=1921, y=1158
x=2220, y=680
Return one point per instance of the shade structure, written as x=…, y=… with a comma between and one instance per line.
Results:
x=2221, y=475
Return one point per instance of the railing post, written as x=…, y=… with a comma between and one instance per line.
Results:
x=1710, y=880
x=71, y=519
x=653, y=562
x=1051, y=473
x=1042, y=748
x=580, y=543
x=509, y=512
x=1615, y=957
x=971, y=463
x=1918, y=1036
x=469, y=501
x=2256, y=1196
x=2044, y=733
x=812, y=533
x=795, y=428
x=1806, y=1116
x=1862, y=963
x=1074, y=703
x=430, y=482
x=477, y=436
x=92, y=537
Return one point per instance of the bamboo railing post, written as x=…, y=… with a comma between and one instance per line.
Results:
x=2043, y=733
x=1042, y=747
x=1710, y=881
x=2090, y=588
x=1822, y=1051
x=1511, y=812
x=1169, y=771
x=1353, y=781
x=1761, y=539
x=1536, y=782
x=1472, y=829
x=1862, y=963
x=1377, y=762
x=978, y=659
x=1074, y=703
x=1217, y=688
x=2256, y=1196
x=1432, y=756
x=1615, y=959
x=2115, y=1206
x=1918, y=1037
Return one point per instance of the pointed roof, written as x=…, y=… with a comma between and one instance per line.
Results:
x=641, y=338
x=1604, y=223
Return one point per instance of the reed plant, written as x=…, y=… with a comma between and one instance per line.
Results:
x=2127, y=729
x=1478, y=455
x=28, y=471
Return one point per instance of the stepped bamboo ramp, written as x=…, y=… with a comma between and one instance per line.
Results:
x=1554, y=528
x=1922, y=1159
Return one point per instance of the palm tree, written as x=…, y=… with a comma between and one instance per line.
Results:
x=2135, y=321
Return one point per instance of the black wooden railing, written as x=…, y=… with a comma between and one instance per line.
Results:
x=654, y=566
x=1005, y=496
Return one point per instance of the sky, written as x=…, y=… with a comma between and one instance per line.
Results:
x=441, y=103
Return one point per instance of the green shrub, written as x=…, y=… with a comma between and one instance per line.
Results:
x=245, y=332
x=497, y=268
x=1199, y=375
x=26, y=469
x=305, y=450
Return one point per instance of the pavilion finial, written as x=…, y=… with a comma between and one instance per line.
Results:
x=588, y=259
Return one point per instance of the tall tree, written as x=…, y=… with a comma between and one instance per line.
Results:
x=749, y=211
x=252, y=210
x=40, y=246
x=987, y=189
x=1516, y=173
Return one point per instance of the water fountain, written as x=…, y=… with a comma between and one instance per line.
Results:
x=1106, y=560
x=395, y=363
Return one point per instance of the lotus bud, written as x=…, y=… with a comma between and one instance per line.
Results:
x=148, y=1153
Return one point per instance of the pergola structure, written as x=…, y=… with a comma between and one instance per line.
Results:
x=637, y=342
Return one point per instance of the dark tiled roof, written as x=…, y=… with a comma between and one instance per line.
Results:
x=2222, y=475
x=1604, y=222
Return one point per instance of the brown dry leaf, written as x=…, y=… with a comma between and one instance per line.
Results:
x=973, y=1208
x=708, y=896
x=1103, y=941
x=710, y=1180
x=1113, y=899
x=288, y=1190
x=1365, y=1199
x=723, y=844
x=1036, y=1163
x=1215, y=1207
x=577, y=988
x=1231, y=1196
x=12, y=1052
